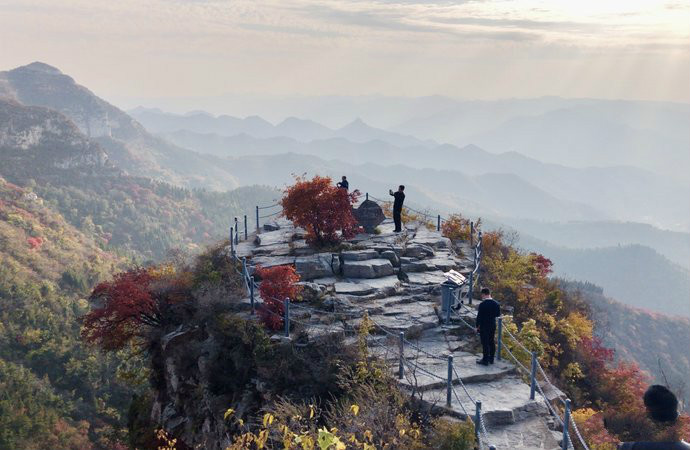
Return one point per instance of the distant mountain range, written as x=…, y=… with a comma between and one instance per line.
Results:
x=648, y=135
x=635, y=274
x=580, y=234
x=622, y=192
x=301, y=130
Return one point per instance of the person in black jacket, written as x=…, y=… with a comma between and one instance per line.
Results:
x=662, y=408
x=344, y=184
x=399, y=196
x=487, y=312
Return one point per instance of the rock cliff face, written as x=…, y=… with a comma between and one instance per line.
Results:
x=395, y=279
x=47, y=138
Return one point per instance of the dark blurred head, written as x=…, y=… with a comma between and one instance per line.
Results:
x=344, y=178
x=486, y=292
x=401, y=188
x=661, y=404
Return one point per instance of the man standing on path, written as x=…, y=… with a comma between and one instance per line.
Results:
x=343, y=184
x=397, y=207
x=487, y=312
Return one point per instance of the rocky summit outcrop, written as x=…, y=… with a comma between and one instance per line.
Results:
x=395, y=278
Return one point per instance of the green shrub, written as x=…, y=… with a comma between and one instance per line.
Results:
x=449, y=435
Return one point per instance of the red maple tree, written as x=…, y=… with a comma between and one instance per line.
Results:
x=277, y=284
x=126, y=308
x=35, y=242
x=542, y=264
x=321, y=208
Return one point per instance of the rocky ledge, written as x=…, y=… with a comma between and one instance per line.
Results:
x=395, y=278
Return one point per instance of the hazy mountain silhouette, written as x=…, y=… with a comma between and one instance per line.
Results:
x=622, y=192
x=634, y=274
x=301, y=130
x=128, y=144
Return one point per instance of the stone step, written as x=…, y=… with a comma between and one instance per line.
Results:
x=370, y=268
x=504, y=401
x=470, y=372
x=359, y=255
x=529, y=434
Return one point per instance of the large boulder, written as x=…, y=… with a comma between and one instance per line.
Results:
x=369, y=215
x=317, y=266
x=371, y=268
x=312, y=291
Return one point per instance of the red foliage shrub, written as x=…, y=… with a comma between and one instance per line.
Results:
x=597, y=434
x=277, y=284
x=321, y=208
x=35, y=243
x=126, y=307
x=542, y=264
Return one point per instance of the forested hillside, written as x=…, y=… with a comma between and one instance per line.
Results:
x=658, y=343
x=43, y=150
x=56, y=392
x=70, y=217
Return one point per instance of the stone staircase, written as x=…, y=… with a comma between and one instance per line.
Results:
x=395, y=278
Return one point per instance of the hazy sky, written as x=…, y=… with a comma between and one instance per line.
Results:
x=470, y=49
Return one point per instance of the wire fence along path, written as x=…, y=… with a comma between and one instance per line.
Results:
x=396, y=343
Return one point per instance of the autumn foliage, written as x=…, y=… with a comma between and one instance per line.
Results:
x=456, y=227
x=542, y=264
x=277, y=284
x=557, y=324
x=321, y=208
x=35, y=242
x=125, y=308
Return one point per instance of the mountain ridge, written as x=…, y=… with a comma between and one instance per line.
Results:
x=129, y=145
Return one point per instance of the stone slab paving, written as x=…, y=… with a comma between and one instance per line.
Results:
x=530, y=434
x=434, y=277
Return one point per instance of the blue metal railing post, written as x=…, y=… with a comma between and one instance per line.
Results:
x=232, y=243
x=449, y=386
x=477, y=420
x=367, y=196
x=245, y=228
x=499, y=347
x=286, y=319
x=257, y=219
x=470, y=286
x=438, y=223
x=251, y=293
x=237, y=232
x=401, y=348
x=471, y=234
x=565, y=444
x=533, y=377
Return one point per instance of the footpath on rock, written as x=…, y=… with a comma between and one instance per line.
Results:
x=395, y=278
